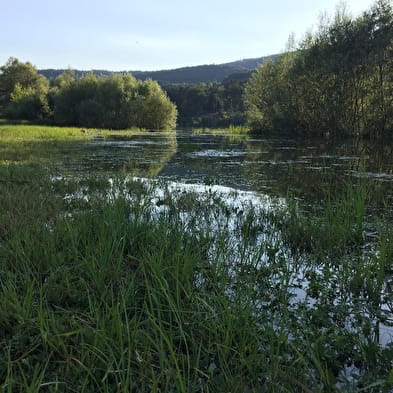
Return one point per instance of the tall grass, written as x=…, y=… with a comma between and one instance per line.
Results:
x=20, y=132
x=27, y=132
x=336, y=226
x=232, y=129
x=124, y=291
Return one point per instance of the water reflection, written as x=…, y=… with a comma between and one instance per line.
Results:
x=302, y=167
x=139, y=155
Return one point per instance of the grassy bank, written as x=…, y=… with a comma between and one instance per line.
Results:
x=119, y=285
x=236, y=130
x=32, y=143
x=22, y=131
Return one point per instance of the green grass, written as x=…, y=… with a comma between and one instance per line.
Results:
x=27, y=143
x=21, y=132
x=334, y=227
x=116, y=288
x=228, y=130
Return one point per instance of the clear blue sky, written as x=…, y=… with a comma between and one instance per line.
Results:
x=154, y=34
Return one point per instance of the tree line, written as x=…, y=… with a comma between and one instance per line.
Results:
x=337, y=81
x=212, y=104
x=116, y=101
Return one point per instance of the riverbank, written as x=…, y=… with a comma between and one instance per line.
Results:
x=14, y=131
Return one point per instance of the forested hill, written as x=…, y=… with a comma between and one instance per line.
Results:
x=194, y=74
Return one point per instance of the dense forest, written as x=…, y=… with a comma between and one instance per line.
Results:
x=116, y=101
x=337, y=81
x=210, y=104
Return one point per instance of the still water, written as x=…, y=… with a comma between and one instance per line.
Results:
x=272, y=166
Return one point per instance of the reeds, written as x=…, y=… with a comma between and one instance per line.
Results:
x=232, y=129
x=131, y=286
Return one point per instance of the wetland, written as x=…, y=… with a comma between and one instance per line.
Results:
x=195, y=262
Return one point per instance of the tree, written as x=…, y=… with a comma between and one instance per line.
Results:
x=23, y=92
x=153, y=108
x=27, y=103
x=68, y=99
x=116, y=101
x=338, y=81
x=268, y=96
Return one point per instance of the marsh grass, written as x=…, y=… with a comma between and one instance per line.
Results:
x=336, y=226
x=26, y=132
x=133, y=286
x=232, y=129
x=22, y=142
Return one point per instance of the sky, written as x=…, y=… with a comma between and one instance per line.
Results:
x=147, y=35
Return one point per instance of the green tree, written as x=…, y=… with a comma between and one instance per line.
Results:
x=69, y=96
x=338, y=81
x=91, y=114
x=152, y=107
x=116, y=101
x=65, y=79
x=268, y=96
x=23, y=92
x=115, y=93
x=27, y=103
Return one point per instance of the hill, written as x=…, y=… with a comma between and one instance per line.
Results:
x=193, y=74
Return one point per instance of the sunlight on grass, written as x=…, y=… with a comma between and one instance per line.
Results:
x=218, y=131
x=10, y=132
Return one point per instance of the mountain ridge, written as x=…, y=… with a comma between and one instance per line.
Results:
x=189, y=74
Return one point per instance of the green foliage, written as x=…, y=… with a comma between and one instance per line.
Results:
x=268, y=96
x=117, y=101
x=14, y=72
x=155, y=110
x=209, y=104
x=27, y=103
x=338, y=81
x=334, y=228
x=23, y=92
x=231, y=130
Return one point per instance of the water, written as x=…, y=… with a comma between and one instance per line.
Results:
x=266, y=167
x=274, y=166
x=261, y=169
